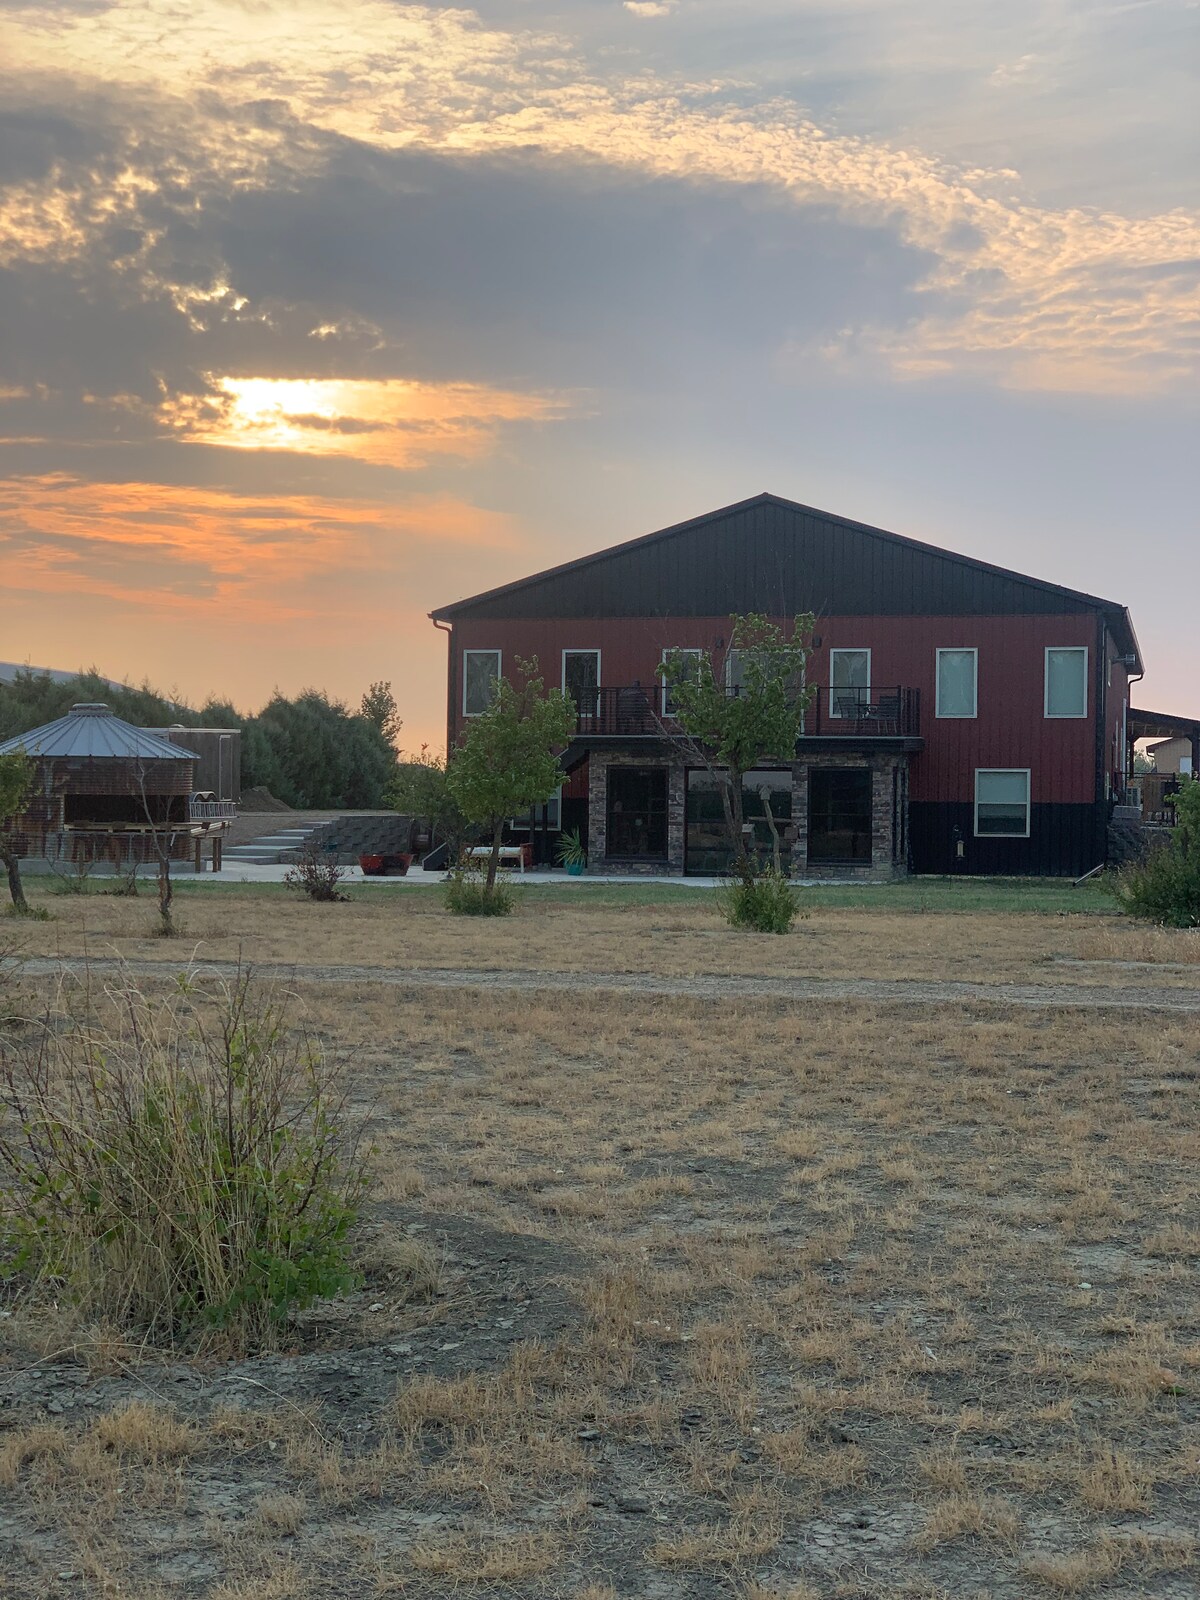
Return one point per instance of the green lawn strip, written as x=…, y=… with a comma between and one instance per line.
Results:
x=1046, y=897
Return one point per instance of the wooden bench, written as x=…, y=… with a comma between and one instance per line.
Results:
x=518, y=853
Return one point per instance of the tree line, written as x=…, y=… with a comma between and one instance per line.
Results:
x=310, y=751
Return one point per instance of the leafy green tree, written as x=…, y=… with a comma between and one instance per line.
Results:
x=16, y=786
x=746, y=708
x=421, y=789
x=215, y=713
x=380, y=708
x=507, y=760
x=313, y=752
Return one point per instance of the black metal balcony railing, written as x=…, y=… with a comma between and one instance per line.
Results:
x=639, y=712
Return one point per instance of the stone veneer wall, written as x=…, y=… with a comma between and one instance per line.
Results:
x=654, y=755
x=883, y=845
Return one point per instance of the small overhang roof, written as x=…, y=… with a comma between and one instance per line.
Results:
x=91, y=732
x=1161, y=725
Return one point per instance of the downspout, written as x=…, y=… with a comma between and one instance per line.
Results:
x=451, y=680
x=1127, y=753
x=1101, y=712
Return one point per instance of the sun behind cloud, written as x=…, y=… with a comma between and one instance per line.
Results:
x=390, y=421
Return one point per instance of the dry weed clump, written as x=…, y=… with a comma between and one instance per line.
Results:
x=127, y=1452
x=496, y=1559
x=751, y=1530
x=1084, y=1571
x=176, y=1163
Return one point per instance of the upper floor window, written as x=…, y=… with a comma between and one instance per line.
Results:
x=688, y=665
x=1002, y=802
x=958, y=683
x=581, y=679
x=481, y=671
x=1066, y=681
x=849, y=682
x=736, y=662
x=739, y=665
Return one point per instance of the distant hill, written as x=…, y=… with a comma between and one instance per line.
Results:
x=9, y=670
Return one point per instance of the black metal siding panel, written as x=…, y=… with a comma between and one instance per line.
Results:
x=773, y=558
x=1061, y=842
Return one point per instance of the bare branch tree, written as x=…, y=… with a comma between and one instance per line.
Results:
x=162, y=836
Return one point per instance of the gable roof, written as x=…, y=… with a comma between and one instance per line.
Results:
x=90, y=731
x=775, y=555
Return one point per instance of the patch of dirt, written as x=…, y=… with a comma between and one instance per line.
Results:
x=258, y=799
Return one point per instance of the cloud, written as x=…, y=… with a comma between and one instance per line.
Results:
x=1019, y=294
x=213, y=593
x=391, y=422
x=195, y=552
x=650, y=8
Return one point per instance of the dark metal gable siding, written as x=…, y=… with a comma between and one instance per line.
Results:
x=772, y=557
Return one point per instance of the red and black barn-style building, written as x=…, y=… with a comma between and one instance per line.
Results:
x=966, y=717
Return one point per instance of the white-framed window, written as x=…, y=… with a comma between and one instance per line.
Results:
x=581, y=680
x=849, y=682
x=1066, y=681
x=1002, y=802
x=957, y=683
x=529, y=820
x=481, y=672
x=691, y=666
x=735, y=668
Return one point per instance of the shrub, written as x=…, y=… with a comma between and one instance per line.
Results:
x=468, y=895
x=764, y=901
x=77, y=879
x=318, y=875
x=1166, y=887
x=176, y=1165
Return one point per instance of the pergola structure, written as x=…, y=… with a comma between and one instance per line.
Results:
x=1158, y=725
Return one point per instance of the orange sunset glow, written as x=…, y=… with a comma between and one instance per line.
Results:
x=389, y=422
x=316, y=317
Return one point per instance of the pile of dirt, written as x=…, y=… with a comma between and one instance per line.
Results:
x=260, y=799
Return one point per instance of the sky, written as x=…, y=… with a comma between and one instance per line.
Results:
x=317, y=315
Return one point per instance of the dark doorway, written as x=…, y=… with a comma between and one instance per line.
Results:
x=637, y=813
x=581, y=680
x=708, y=851
x=839, y=817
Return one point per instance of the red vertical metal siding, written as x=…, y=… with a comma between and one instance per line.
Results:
x=1011, y=729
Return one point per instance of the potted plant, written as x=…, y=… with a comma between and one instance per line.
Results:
x=572, y=854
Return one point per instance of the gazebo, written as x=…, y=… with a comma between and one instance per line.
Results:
x=105, y=791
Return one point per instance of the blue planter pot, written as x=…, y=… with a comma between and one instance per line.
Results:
x=575, y=869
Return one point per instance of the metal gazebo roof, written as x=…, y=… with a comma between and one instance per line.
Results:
x=90, y=731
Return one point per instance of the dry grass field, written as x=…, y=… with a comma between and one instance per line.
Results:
x=677, y=934
x=668, y=1297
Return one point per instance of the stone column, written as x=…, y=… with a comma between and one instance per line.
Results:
x=676, y=815
x=881, y=815
x=597, y=811
x=800, y=818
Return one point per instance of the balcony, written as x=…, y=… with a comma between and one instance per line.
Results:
x=637, y=713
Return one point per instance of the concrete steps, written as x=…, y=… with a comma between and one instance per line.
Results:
x=283, y=844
